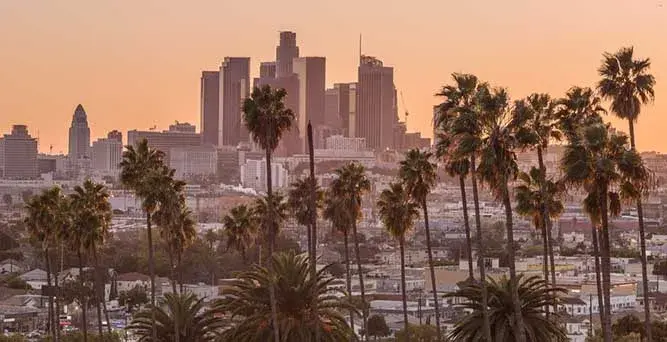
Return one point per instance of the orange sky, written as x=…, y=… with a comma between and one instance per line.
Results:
x=135, y=64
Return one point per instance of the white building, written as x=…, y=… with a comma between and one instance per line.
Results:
x=127, y=281
x=207, y=292
x=339, y=142
x=193, y=161
x=253, y=175
x=107, y=155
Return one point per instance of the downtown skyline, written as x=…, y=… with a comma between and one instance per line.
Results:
x=131, y=77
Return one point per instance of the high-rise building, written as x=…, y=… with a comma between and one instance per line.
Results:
x=234, y=89
x=340, y=107
x=79, y=135
x=311, y=72
x=107, y=155
x=193, y=162
x=253, y=175
x=376, y=104
x=267, y=69
x=165, y=140
x=183, y=127
x=291, y=141
x=115, y=135
x=18, y=154
x=209, y=106
x=286, y=51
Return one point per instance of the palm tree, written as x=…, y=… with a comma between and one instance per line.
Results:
x=142, y=170
x=247, y=302
x=627, y=83
x=398, y=213
x=240, y=229
x=535, y=296
x=42, y=226
x=542, y=128
x=273, y=214
x=580, y=107
x=500, y=129
x=535, y=197
x=350, y=185
x=299, y=203
x=600, y=162
x=267, y=119
x=458, y=128
x=90, y=228
x=177, y=309
x=336, y=212
x=417, y=172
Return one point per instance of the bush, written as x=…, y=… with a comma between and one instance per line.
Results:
x=17, y=283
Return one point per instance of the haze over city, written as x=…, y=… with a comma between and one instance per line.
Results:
x=138, y=64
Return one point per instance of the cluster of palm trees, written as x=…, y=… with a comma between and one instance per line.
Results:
x=479, y=132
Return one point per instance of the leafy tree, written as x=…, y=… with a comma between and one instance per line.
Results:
x=398, y=213
x=247, y=302
x=270, y=213
x=26, y=195
x=135, y=297
x=16, y=282
x=626, y=81
x=267, y=119
x=418, y=333
x=201, y=324
x=299, y=201
x=7, y=200
x=535, y=296
x=660, y=268
x=377, y=327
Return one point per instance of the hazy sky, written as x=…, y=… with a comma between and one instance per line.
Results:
x=135, y=64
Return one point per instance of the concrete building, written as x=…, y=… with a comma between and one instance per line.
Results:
x=79, y=135
x=209, y=106
x=376, y=104
x=311, y=72
x=267, y=70
x=164, y=140
x=339, y=142
x=107, y=155
x=253, y=175
x=340, y=107
x=18, y=154
x=115, y=135
x=234, y=87
x=286, y=51
x=194, y=162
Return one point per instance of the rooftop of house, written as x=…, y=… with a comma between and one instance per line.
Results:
x=133, y=276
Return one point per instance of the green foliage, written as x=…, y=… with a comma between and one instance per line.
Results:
x=418, y=333
x=266, y=116
x=12, y=338
x=247, y=302
x=660, y=268
x=241, y=228
x=135, y=297
x=377, y=326
x=15, y=282
x=78, y=337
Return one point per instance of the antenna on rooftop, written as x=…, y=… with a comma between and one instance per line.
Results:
x=359, y=48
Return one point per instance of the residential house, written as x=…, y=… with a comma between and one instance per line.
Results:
x=12, y=266
x=127, y=281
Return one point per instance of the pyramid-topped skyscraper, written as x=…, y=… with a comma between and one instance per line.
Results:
x=79, y=135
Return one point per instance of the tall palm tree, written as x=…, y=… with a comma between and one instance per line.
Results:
x=42, y=226
x=398, y=213
x=350, y=186
x=592, y=209
x=247, y=302
x=142, y=170
x=299, y=203
x=90, y=228
x=457, y=119
x=267, y=119
x=177, y=310
x=417, y=172
x=535, y=197
x=601, y=162
x=542, y=129
x=627, y=83
x=500, y=127
x=336, y=212
x=240, y=229
x=536, y=294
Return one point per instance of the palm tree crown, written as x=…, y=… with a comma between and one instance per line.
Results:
x=241, y=226
x=529, y=197
x=266, y=116
x=397, y=211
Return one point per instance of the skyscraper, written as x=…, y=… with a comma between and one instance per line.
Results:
x=79, y=135
x=107, y=154
x=286, y=51
x=18, y=154
x=234, y=89
x=209, y=106
x=376, y=112
x=311, y=72
x=267, y=69
x=340, y=107
x=115, y=135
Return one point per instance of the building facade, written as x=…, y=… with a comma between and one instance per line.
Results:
x=194, y=162
x=253, y=175
x=311, y=72
x=79, y=135
x=165, y=140
x=376, y=104
x=18, y=154
x=339, y=142
x=209, y=104
x=107, y=155
x=286, y=51
x=234, y=87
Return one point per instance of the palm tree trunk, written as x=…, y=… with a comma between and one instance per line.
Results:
x=84, y=300
x=177, y=331
x=642, y=244
x=466, y=223
x=606, y=265
x=547, y=218
x=151, y=271
x=272, y=241
x=519, y=332
x=348, y=279
x=364, y=315
x=47, y=260
x=96, y=287
x=598, y=280
x=57, y=304
x=545, y=255
x=179, y=273
x=310, y=242
x=313, y=221
x=103, y=294
x=480, y=251
x=401, y=242
x=431, y=267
